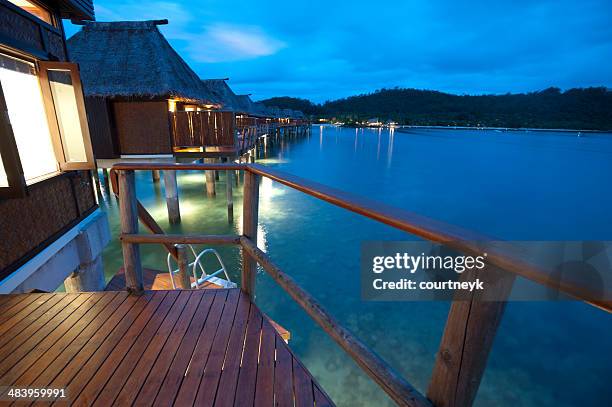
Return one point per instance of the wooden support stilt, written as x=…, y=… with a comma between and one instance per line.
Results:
x=237, y=175
x=210, y=179
x=155, y=175
x=172, y=199
x=129, y=224
x=230, y=196
x=105, y=182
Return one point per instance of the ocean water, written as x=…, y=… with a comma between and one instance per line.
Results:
x=511, y=185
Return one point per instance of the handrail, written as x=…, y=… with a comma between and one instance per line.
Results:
x=454, y=237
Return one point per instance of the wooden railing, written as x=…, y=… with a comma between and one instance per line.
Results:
x=471, y=324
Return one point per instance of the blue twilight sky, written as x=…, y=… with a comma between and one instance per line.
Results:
x=323, y=50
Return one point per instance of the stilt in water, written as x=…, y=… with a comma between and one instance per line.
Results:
x=155, y=175
x=172, y=200
x=105, y=182
x=210, y=179
x=229, y=194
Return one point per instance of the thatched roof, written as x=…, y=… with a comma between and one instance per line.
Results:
x=133, y=59
x=221, y=90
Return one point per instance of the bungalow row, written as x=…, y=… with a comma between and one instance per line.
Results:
x=130, y=72
x=145, y=103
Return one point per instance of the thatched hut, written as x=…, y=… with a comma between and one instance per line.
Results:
x=223, y=93
x=142, y=97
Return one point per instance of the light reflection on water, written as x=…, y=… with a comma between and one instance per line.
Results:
x=516, y=186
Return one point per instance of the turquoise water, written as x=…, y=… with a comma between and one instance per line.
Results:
x=512, y=185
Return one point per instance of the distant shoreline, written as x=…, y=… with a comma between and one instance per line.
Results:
x=483, y=128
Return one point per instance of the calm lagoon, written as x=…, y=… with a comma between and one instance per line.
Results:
x=511, y=185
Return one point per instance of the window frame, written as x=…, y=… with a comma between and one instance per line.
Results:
x=49, y=104
x=17, y=185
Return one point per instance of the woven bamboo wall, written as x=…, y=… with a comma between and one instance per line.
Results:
x=29, y=224
x=98, y=117
x=142, y=127
x=25, y=32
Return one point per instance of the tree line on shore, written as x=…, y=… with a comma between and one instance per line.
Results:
x=579, y=108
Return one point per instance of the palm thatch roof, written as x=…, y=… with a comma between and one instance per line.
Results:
x=221, y=90
x=133, y=59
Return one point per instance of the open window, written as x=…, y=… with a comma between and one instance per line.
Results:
x=42, y=122
x=63, y=98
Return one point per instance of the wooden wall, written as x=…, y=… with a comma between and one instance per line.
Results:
x=142, y=127
x=100, y=129
x=53, y=206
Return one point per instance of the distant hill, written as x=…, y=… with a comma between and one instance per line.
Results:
x=581, y=108
x=286, y=102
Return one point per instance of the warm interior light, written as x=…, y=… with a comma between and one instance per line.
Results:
x=28, y=120
x=67, y=115
x=34, y=9
x=171, y=105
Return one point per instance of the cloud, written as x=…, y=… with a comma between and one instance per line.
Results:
x=221, y=42
x=321, y=49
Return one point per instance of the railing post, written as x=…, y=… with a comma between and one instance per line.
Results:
x=467, y=340
x=184, y=281
x=250, y=209
x=129, y=224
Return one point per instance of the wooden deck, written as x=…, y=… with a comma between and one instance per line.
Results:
x=183, y=347
x=152, y=280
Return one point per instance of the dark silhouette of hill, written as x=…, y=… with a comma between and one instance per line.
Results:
x=580, y=108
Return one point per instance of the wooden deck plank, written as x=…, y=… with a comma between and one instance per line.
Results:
x=189, y=386
x=39, y=329
x=26, y=322
x=78, y=378
x=43, y=375
x=15, y=305
x=160, y=352
x=214, y=364
x=52, y=346
x=303, y=386
x=264, y=388
x=138, y=361
x=114, y=368
x=321, y=399
x=283, y=389
x=189, y=345
x=177, y=352
x=245, y=394
x=200, y=347
x=228, y=381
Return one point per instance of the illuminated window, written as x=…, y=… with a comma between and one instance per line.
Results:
x=46, y=118
x=34, y=9
x=26, y=113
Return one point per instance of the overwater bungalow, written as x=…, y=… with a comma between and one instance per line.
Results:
x=51, y=229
